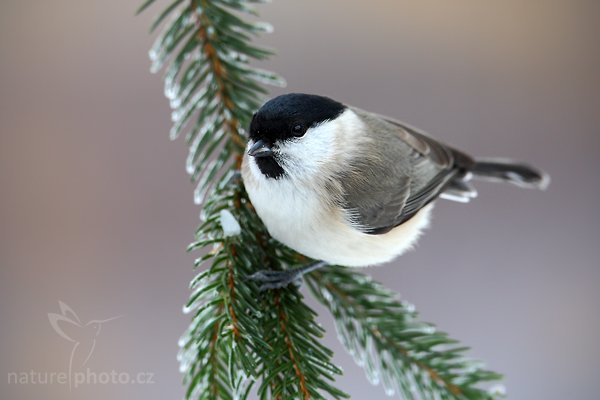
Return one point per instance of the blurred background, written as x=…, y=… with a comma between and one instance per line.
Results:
x=96, y=208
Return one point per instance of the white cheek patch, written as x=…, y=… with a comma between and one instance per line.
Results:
x=304, y=157
x=254, y=168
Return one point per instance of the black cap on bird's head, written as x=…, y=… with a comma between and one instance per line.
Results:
x=283, y=118
x=291, y=115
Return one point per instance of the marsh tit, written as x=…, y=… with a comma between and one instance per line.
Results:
x=345, y=186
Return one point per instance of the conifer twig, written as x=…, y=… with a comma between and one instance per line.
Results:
x=238, y=335
x=384, y=336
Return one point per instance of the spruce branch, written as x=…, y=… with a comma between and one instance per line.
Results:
x=238, y=334
x=385, y=337
x=242, y=340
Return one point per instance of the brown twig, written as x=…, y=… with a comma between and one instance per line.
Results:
x=290, y=345
x=220, y=74
x=219, y=71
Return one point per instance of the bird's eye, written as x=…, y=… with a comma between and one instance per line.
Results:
x=298, y=130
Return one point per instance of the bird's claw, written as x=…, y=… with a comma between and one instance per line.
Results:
x=276, y=279
x=235, y=178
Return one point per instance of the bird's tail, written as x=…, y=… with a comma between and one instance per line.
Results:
x=509, y=171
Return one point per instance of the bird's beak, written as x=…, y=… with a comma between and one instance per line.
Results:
x=260, y=149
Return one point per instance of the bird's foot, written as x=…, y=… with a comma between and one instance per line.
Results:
x=277, y=279
x=235, y=178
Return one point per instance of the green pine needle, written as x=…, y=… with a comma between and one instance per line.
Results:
x=385, y=337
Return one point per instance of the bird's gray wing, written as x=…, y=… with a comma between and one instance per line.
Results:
x=373, y=197
x=402, y=171
x=434, y=151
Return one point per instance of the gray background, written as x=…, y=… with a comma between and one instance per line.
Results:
x=96, y=208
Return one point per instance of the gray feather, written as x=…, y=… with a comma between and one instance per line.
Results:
x=396, y=174
x=459, y=190
x=503, y=170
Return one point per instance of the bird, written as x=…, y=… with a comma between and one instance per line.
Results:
x=349, y=187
